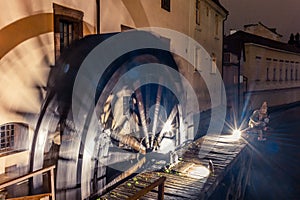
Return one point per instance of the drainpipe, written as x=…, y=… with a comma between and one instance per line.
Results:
x=223, y=33
x=239, y=89
x=222, y=72
x=98, y=16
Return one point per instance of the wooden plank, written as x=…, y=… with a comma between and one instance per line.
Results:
x=134, y=189
x=32, y=197
x=117, y=194
x=177, y=177
x=181, y=189
x=179, y=193
x=152, y=195
x=224, y=155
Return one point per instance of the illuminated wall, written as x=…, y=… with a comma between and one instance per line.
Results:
x=28, y=47
x=27, y=52
x=119, y=15
x=182, y=18
x=273, y=75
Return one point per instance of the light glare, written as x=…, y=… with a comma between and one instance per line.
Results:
x=198, y=172
x=236, y=133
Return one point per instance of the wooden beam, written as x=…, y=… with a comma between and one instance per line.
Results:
x=52, y=183
x=159, y=182
x=30, y=175
x=32, y=197
x=25, y=177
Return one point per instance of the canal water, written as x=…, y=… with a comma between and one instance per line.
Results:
x=275, y=170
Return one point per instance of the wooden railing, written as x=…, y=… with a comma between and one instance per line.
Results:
x=159, y=182
x=32, y=197
x=30, y=175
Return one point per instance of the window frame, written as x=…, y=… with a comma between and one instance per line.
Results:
x=280, y=70
x=292, y=70
x=207, y=11
x=268, y=60
x=197, y=59
x=296, y=71
x=216, y=24
x=66, y=15
x=7, y=137
x=198, y=12
x=258, y=61
x=275, y=69
x=166, y=5
x=286, y=70
x=68, y=35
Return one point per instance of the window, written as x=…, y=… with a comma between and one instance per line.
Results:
x=257, y=67
x=217, y=25
x=7, y=137
x=296, y=71
x=166, y=4
x=286, y=70
x=274, y=74
x=292, y=70
x=66, y=30
x=214, y=64
x=198, y=12
x=197, y=58
x=207, y=11
x=268, y=69
x=67, y=27
x=280, y=70
x=274, y=69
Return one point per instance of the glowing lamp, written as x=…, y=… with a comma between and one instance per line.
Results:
x=236, y=133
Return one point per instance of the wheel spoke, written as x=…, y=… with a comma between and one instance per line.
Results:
x=143, y=116
x=167, y=125
x=155, y=120
x=129, y=141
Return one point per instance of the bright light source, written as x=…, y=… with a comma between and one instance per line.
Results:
x=236, y=134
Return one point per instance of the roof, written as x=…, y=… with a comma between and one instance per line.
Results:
x=220, y=5
x=273, y=30
x=235, y=43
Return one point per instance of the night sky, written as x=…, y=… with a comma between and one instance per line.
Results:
x=281, y=14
